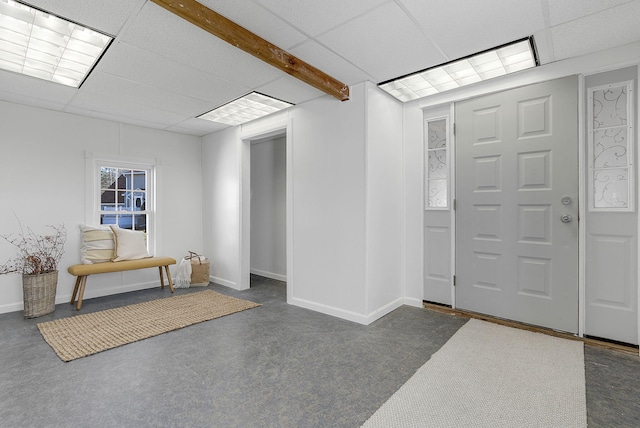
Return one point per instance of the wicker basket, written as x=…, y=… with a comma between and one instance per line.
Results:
x=39, y=292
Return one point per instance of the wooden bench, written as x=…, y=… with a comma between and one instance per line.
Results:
x=82, y=271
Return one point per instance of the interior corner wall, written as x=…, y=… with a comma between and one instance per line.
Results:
x=43, y=176
x=221, y=175
x=328, y=195
x=384, y=204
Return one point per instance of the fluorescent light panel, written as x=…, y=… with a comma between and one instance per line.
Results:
x=42, y=45
x=245, y=109
x=505, y=59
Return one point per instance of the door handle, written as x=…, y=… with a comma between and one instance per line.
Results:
x=566, y=218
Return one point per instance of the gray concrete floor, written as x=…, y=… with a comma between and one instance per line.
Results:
x=273, y=366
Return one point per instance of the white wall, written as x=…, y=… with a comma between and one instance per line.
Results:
x=221, y=205
x=384, y=204
x=43, y=176
x=345, y=209
x=268, y=208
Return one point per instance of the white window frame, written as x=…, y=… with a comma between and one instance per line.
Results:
x=93, y=165
x=426, y=151
x=630, y=147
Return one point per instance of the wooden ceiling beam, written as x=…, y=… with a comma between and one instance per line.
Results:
x=255, y=45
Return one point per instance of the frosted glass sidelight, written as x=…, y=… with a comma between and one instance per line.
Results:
x=611, y=147
x=436, y=163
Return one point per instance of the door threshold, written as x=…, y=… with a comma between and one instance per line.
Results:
x=600, y=343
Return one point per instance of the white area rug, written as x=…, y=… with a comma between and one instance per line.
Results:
x=488, y=375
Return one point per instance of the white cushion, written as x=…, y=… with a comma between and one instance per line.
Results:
x=130, y=244
x=97, y=244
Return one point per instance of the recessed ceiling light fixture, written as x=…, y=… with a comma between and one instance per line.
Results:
x=245, y=109
x=505, y=59
x=39, y=44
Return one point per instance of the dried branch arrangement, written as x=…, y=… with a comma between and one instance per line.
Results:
x=36, y=253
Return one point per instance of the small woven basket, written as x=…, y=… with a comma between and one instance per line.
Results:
x=39, y=292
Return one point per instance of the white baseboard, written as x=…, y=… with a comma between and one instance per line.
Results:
x=410, y=301
x=224, y=282
x=90, y=293
x=271, y=275
x=347, y=315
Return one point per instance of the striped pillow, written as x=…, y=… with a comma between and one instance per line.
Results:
x=97, y=244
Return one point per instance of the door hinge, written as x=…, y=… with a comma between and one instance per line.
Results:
x=454, y=280
x=455, y=205
x=454, y=129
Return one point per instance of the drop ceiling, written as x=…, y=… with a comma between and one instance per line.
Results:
x=161, y=71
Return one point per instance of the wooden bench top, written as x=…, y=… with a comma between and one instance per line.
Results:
x=105, y=267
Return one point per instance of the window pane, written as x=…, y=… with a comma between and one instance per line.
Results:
x=139, y=180
x=121, y=201
x=139, y=201
x=437, y=193
x=140, y=222
x=125, y=221
x=108, y=219
x=611, y=188
x=126, y=179
x=437, y=131
x=610, y=107
x=437, y=164
x=108, y=178
x=108, y=200
x=610, y=147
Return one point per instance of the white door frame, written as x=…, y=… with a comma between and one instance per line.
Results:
x=249, y=134
x=581, y=203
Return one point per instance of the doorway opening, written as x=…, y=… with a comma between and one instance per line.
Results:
x=268, y=203
x=266, y=206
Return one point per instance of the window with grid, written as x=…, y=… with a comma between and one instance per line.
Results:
x=124, y=196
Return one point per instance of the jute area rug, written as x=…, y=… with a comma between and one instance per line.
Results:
x=88, y=334
x=488, y=375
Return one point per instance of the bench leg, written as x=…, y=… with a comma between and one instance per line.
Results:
x=166, y=268
x=83, y=282
x=75, y=290
x=161, y=278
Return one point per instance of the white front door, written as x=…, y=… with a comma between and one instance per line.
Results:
x=517, y=204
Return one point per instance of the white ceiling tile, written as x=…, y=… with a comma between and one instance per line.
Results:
x=460, y=28
x=607, y=29
x=33, y=88
x=198, y=127
x=315, y=17
x=132, y=92
x=160, y=31
x=568, y=10
x=290, y=89
x=132, y=63
x=259, y=21
x=30, y=101
x=385, y=43
x=544, y=47
x=106, y=16
x=113, y=105
x=333, y=64
x=82, y=111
